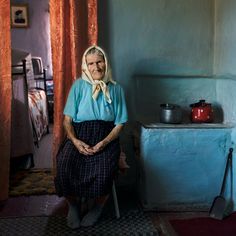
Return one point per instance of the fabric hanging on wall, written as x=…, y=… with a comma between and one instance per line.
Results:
x=5, y=97
x=73, y=29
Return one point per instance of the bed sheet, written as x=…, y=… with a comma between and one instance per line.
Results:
x=38, y=112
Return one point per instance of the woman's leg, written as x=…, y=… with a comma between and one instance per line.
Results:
x=93, y=215
x=73, y=216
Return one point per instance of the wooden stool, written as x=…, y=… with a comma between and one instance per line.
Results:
x=123, y=167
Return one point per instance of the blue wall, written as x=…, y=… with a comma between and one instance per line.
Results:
x=157, y=37
x=225, y=57
x=225, y=35
x=193, y=38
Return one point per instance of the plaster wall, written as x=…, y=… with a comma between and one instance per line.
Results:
x=226, y=96
x=225, y=59
x=155, y=37
x=225, y=35
x=36, y=38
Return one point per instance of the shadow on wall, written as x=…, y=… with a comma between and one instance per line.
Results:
x=218, y=113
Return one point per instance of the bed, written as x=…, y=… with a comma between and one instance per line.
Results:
x=29, y=106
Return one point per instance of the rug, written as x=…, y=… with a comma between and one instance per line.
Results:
x=205, y=226
x=134, y=223
x=31, y=182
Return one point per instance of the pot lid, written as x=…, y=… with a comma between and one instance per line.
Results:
x=169, y=106
x=201, y=103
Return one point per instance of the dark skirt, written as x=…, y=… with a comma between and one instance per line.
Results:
x=87, y=176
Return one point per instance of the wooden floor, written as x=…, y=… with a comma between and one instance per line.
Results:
x=47, y=205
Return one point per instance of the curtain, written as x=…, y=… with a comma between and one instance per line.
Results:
x=5, y=97
x=73, y=29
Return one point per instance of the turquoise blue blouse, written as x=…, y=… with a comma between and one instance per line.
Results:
x=80, y=105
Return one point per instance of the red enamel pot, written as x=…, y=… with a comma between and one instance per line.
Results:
x=201, y=112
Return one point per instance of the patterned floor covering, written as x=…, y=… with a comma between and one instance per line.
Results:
x=32, y=182
x=130, y=223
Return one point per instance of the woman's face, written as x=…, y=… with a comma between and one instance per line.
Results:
x=96, y=66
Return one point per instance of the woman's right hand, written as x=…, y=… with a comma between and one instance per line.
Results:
x=83, y=148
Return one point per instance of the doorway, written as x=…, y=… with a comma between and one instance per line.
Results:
x=34, y=41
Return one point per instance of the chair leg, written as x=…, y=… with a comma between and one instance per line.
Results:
x=32, y=161
x=115, y=200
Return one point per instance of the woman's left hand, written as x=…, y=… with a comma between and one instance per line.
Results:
x=110, y=137
x=99, y=146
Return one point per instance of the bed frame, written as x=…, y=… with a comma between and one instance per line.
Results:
x=29, y=112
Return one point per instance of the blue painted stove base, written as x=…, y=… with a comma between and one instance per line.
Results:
x=182, y=169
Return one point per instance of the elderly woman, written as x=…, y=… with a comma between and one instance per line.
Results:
x=87, y=161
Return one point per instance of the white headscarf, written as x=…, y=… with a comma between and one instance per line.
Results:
x=97, y=85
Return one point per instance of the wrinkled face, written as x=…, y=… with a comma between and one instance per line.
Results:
x=96, y=66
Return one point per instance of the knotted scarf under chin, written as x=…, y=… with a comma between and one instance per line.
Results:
x=99, y=85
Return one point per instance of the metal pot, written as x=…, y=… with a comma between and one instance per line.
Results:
x=170, y=113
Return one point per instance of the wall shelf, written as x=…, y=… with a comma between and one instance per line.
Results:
x=188, y=126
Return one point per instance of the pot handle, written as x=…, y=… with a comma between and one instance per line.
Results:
x=167, y=105
x=200, y=103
